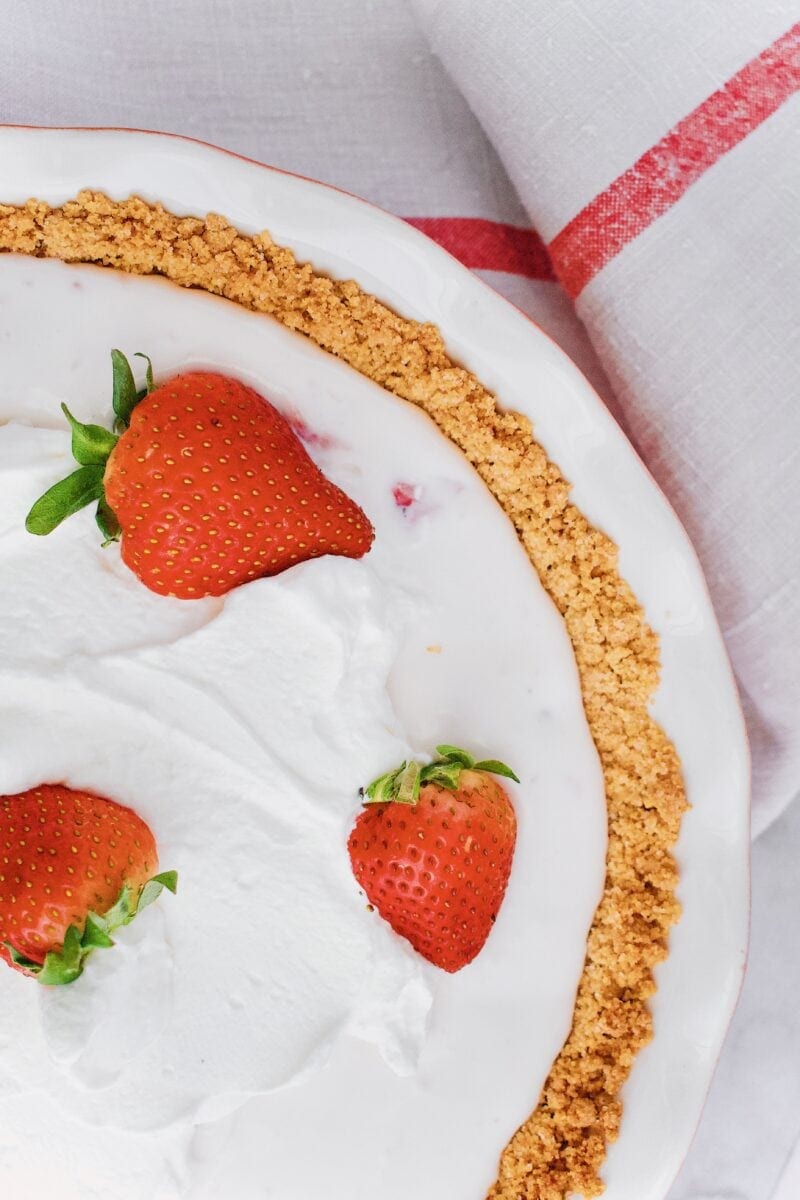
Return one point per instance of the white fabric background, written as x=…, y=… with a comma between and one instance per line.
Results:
x=694, y=320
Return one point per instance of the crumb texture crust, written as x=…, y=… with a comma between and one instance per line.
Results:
x=560, y=1149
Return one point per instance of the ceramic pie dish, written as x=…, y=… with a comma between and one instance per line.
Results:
x=648, y=758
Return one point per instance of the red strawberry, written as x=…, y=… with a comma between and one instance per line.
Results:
x=207, y=485
x=433, y=850
x=73, y=868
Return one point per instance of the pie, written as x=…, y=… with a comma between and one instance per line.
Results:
x=443, y=451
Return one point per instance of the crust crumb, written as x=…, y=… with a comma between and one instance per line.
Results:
x=560, y=1149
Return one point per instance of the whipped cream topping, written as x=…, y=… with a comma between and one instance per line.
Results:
x=238, y=751
x=263, y=1004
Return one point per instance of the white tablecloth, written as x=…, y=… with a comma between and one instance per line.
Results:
x=350, y=91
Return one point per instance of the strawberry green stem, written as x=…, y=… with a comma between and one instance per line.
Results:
x=402, y=785
x=123, y=395
x=91, y=447
x=65, y=965
x=149, y=385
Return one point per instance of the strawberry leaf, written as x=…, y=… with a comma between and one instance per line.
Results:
x=381, y=790
x=21, y=960
x=149, y=385
x=396, y=787
x=91, y=444
x=95, y=933
x=494, y=767
x=124, y=396
x=122, y=911
x=66, y=964
x=107, y=522
x=407, y=784
x=155, y=886
x=456, y=755
x=445, y=774
x=64, y=498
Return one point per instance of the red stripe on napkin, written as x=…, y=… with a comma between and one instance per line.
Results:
x=661, y=176
x=488, y=245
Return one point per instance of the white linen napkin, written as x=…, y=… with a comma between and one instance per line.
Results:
x=656, y=152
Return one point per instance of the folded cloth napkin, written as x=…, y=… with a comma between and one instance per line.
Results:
x=657, y=157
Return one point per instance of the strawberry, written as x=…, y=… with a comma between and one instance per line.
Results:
x=433, y=849
x=206, y=484
x=73, y=868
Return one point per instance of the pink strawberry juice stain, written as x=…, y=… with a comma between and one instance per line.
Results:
x=406, y=494
x=309, y=436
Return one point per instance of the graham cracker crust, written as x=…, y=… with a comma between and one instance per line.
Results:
x=560, y=1149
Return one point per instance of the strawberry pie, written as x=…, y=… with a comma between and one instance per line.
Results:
x=300, y=626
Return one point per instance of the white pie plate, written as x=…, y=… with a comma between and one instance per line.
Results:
x=696, y=703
